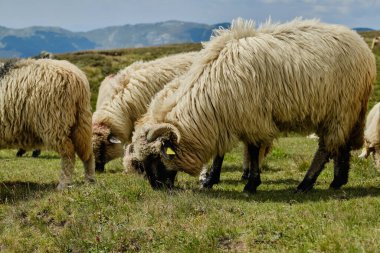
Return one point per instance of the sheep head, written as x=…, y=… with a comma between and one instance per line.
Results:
x=106, y=146
x=154, y=150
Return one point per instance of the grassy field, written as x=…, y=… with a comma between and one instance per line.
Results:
x=121, y=213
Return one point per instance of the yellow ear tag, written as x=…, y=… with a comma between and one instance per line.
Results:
x=170, y=151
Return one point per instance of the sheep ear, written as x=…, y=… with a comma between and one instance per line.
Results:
x=113, y=139
x=165, y=131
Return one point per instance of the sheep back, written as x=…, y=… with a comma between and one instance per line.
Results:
x=40, y=103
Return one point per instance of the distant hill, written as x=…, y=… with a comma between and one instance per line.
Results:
x=151, y=34
x=362, y=29
x=31, y=41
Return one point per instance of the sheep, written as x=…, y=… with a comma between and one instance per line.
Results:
x=206, y=179
x=375, y=43
x=251, y=84
x=47, y=103
x=113, y=121
x=372, y=136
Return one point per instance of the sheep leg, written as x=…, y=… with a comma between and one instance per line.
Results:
x=67, y=153
x=214, y=176
x=321, y=157
x=254, y=169
x=83, y=148
x=376, y=157
x=341, y=168
x=264, y=150
x=245, y=163
x=89, y=169
x=20, y=152
x=204, y=174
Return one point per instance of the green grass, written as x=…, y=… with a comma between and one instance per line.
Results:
x=121, y=213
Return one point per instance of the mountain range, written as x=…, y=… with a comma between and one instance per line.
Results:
x=27, y=42
x=31, y=41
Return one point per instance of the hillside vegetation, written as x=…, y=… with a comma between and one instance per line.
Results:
x=121, y=213
x=98, y=64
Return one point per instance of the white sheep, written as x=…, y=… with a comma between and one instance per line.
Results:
x=134, y=86
x=250, y=84
x=372, y=135
x=46, y=103
x=206, y=179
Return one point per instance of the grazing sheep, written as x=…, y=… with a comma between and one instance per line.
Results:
x=113, y=121
x=375, y=43
x=372, y=135
x=46, y=103
x=251, y=84
x=207, y=179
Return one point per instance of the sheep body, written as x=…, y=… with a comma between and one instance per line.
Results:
x=251, y=84
x=113, y=121
x=46, y=103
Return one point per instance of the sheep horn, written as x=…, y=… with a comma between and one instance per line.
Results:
x=163, y=129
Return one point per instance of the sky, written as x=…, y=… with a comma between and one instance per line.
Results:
x=85, y=15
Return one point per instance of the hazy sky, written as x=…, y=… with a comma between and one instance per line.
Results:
x=84, y=15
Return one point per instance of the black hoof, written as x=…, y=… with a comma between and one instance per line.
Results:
x=209, y=182
x=250, y=188
x=20, y=152
x=36, y=153
x=99, y=167
x=252, y=185
x=305, y=186
x=337, y=183
x=245, y=175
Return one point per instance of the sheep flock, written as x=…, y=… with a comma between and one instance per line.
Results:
x=174, y=114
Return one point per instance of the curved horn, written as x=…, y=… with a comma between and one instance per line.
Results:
x=163, y=130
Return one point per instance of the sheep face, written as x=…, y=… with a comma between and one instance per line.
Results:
x=106, y=146
x=375, y=43
x=154, y=151
x=130, y=162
